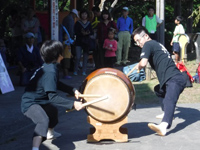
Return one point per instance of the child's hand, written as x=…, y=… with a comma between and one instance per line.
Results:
x=77, y=93
x=78, y=105
x=171, y=43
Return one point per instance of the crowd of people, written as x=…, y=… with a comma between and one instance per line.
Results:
x=81, y=34
x=88, y=33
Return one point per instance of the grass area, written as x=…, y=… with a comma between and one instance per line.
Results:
x=145, y=89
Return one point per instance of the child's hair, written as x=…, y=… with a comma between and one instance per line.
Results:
x=113, y=30
x=51, y=50
x=179, y=18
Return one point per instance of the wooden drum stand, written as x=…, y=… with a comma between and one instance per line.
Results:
x=108, y=131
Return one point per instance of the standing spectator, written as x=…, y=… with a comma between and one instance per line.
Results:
x=16, y=31
x=102, y=34
x=31, y=24
x=125, y=27
x=95, y=21
x=66, y=59
x=69, y=22
x=83, y=30
x=177, y=32
x=29, y=59
x=110, y=46
x=171, y=81
x=151, y=22
x=97, y=17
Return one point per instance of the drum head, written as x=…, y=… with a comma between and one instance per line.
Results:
x=118, y=103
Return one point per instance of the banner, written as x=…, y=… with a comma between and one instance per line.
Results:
x=5, y=82
x=54, y=20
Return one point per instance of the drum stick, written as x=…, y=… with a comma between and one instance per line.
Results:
x=131, y=70
x=89, y=96
x=91, y=102
x=95, y=101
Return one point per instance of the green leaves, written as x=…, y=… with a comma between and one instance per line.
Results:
x=196, y=15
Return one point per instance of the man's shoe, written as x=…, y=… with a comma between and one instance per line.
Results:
x=157, y=129
x=51, y=134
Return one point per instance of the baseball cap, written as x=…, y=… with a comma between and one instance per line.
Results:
x=75, y=12
x=125, y=8
x=29, y=35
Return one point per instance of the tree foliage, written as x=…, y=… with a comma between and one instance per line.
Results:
x=196, y=15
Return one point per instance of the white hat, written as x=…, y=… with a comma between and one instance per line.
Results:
x=125, y=8
x=75, y=12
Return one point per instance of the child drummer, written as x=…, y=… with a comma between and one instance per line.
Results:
x=40, y=95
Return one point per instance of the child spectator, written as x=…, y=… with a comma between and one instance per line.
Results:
x=41, y=95
x=110, y=46
x=66, y=59
x=177, y=32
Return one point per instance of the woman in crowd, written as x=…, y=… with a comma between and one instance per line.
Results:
x=83, y=30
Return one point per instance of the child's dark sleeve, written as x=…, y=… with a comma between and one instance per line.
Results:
x=66, y=88
x=55, y=99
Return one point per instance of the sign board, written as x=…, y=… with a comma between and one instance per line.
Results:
x=5, y=82
x=54, y=20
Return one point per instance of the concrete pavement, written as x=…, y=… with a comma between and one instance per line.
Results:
x=16, y=130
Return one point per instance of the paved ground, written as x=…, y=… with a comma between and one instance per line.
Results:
x=16, y=130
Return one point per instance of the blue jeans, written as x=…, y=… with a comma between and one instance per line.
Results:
x=78, y=57
x=169, y=95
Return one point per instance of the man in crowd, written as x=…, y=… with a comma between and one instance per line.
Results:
x=125, y=28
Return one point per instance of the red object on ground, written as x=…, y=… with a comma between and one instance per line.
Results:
x=182, y=68
x=198, y=71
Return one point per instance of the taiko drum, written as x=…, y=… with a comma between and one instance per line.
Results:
x=114, y=84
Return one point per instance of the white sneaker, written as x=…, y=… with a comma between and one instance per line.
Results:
x=157, y=128
x=160, y=116
x=51, y=134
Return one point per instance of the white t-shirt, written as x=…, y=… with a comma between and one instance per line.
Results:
x=180, y=30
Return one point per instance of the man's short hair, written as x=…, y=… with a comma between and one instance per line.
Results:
x=140, y=30
x=151, y=7
x=51, y=50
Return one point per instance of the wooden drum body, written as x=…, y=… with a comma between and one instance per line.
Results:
x=119, y=89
